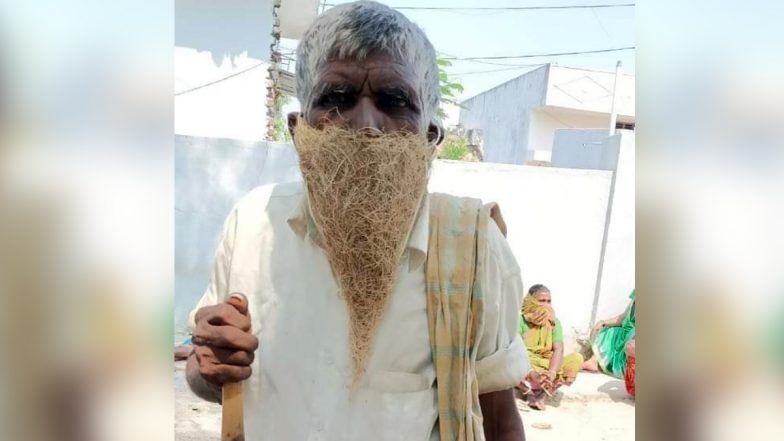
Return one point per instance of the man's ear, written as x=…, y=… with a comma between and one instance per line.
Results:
x=435, y=133
x=292, y=120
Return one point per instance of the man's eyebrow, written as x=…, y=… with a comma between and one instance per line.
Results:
x=335, y=87
x=399, y=91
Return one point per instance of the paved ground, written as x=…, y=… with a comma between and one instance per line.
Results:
x=595, y=408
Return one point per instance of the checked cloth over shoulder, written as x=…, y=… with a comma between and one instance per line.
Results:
x=456, y=253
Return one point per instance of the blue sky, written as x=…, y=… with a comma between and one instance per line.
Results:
x=481, y=33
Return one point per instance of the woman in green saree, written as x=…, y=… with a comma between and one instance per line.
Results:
x=543, y=338
x=613, y=342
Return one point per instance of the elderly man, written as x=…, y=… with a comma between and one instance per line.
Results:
x=356, y=306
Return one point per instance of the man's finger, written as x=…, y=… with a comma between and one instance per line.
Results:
x=225, y=314
x=210, y=355
x=222, y=373
x=225, y=337
x=239, y=301
x=236, y=358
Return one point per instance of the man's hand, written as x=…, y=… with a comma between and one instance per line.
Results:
x=223, y=345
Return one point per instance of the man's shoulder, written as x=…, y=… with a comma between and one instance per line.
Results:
x=499, y=251
x=268, y=202
x=270, y=196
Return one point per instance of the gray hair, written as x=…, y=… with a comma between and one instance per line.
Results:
x=357, y=30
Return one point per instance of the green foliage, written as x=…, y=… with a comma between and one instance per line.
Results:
x=280, y=127
x=454, y=148
x=449, y=89
x=280, y=131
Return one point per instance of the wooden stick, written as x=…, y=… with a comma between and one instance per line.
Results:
x=232, y=424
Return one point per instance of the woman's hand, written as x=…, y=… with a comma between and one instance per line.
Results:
x=536, y=379
x=601, y=324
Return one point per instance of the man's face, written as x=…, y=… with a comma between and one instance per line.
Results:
x=379, y=92
x=364, y=189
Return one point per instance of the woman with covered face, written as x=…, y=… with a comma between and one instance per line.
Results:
x=543, y=337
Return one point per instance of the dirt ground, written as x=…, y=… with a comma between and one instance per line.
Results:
x=595, y=408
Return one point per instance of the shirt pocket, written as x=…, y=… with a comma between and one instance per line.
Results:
x=395, y=406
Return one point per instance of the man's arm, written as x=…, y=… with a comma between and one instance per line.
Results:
x=502, y=360
x=501, y=419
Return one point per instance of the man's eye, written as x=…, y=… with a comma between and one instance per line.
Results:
x=391, y=101
x=335, y=99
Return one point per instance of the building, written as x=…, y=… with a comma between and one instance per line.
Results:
x=226, y=63
x=519, y=118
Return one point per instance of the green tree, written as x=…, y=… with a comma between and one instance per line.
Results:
x=280, y=127
x=449, y=89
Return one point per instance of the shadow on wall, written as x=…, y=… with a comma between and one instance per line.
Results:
x=225, y=28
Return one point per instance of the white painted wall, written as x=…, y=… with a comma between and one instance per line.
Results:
x=555, y=219
x=215, y=39
x=590, y=90
x=211, y=174
x=618, y=274
x=555, y=216
x=593, y=149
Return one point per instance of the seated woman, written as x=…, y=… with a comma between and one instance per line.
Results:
x=613, y=343
x=543, y=338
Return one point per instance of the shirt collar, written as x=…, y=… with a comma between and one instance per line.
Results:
x=301, y=222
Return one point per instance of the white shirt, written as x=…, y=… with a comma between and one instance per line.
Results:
x=299, y=389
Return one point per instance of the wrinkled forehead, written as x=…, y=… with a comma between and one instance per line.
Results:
x=378, y=70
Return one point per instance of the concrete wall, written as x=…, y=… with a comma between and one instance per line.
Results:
x=519, y=118
x=502, y=113
x=555, y=219
x=555, y=216
x=210, y=176
x=213, y=40
x=593, y=149
x=584, y=149
x=545, y=121
x=618, y=268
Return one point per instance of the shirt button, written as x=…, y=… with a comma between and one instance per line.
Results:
x=319, y=426
x=329, y=360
